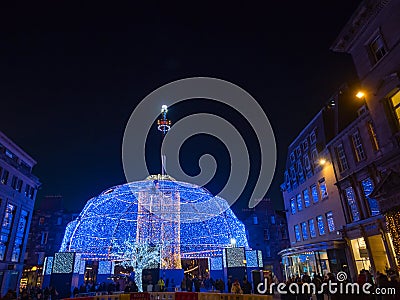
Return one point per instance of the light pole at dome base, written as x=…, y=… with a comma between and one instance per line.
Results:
x=163, y=125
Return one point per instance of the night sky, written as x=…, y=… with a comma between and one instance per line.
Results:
x=72, y=72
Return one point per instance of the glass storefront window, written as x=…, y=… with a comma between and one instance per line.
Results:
x=360, y=254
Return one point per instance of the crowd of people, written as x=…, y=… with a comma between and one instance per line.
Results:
x=33, y=293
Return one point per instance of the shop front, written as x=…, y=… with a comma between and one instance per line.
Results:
x=319, y=258
x=371, y=247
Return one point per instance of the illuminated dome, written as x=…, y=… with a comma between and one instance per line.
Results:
x=202, y=224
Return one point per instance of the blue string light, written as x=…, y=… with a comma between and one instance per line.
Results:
x=207, y=224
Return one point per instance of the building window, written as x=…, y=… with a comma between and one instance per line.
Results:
x=273, y=221
x=15, y=256
x=313, y=137
x=358, y=147
x=321, y=225
x=306, y=197
x=305, y=145
x=329, y=220
x=311, y=227
x=14, y=182
x=304, y=230
x=314, y=156
x=300, y=171
x=59, y=220
x=297, y=233
x=377, y=48
x=351, y=201
x=287, y=180
x=372, y=135
x=255, y=220
x=292, y=157
x=395, y=101
x=41, y=221
x=6, y=229
x=314, y=193
x=292, y=206
x=299, y=202
x=19, y=185
x=4, y=177
x=266, y=234
x=341, y=157
x=44, y=238
x=307, y=164
x=368, y=186
x=323, y=189
x=298, y=152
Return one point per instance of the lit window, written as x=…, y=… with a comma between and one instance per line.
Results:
x=297, y=233
x=41, y=221
x=311, y=226
x=322, y=187
x=45, y=235
x=292, y=206
x=306, y=197
x=372, y=135
x=321, y=225
x=304, y=230
x=16, y=252
x=314, y=193
x=255, y=220
x=395, y=100
x=341, y=156
x=377, y=48
x=351, y=201
x=272, y=219
x=358, y=147
x=368, y=187
x=299, y=202
x=329, y=220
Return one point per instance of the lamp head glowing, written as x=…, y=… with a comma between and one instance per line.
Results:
x=360, y=94
x=322, y=161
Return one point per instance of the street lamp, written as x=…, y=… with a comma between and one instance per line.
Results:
x=322, y=161
x=360, y=95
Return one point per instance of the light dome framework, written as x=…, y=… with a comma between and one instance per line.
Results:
x=174, y=215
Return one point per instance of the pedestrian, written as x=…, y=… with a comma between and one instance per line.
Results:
x=246, y=286
x=236, y=288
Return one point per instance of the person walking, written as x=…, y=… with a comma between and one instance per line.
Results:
x=236, y=288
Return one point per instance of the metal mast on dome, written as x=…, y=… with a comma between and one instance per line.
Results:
x=164, y=125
